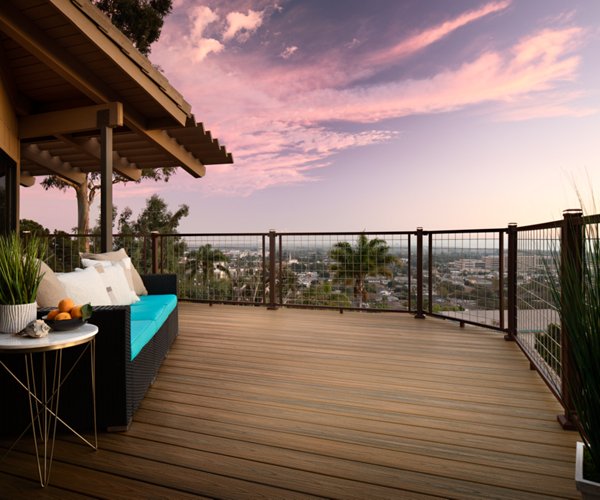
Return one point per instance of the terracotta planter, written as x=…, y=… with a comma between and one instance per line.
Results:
x=588, y=489
x=13, y=318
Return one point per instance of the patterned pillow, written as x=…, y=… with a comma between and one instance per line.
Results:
x=124, y=264
x=138, y=284
x=116, y=285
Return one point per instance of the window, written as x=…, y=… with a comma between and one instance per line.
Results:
x=8, y=193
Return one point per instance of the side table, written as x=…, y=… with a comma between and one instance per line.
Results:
x=43, y=401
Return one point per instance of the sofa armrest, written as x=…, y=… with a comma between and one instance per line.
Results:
x=160, y=284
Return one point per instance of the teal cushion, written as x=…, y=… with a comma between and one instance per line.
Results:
x=147, y=316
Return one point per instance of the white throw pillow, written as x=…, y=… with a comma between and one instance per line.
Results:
x=85, y=286
x=124, y=264
x=116, y=285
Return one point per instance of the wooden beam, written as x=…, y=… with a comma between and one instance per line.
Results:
x=122, y=51
x=19, y=102
x=186, y=159
x=92, y=148
x=68, y=121
x=53, y=163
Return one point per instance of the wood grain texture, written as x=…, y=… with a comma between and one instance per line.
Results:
x=252, y=403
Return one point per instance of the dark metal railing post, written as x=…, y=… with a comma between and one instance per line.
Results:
x=419, y=314
x=501, y=322
x=155, y=235
x=264, y=269
x=272, y=269
x=280, y=270
x=571, y=260
x=512, y=281
x=430, y=273
x=409, y=276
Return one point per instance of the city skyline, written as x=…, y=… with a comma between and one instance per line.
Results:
x=384, y=116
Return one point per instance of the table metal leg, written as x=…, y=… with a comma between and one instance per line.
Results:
x=43, y=406
x=46, y=410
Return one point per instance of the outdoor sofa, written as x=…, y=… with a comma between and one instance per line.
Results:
x=128, y=356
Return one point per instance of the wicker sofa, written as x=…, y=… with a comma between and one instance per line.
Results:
x=121, y=382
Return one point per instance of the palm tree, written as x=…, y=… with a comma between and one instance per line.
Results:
x=366, y=258
x=207, y=259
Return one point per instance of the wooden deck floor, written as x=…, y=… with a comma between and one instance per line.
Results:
x=292, y=403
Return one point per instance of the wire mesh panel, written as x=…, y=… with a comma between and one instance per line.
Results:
x=138, y=248
x=538, y=322
x=63, y=250
x=216, y=267
x=468, y=275
x=345, y=270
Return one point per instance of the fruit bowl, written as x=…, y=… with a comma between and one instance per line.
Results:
x=64, y=325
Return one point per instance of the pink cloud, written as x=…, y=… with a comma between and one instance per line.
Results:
x=240, y=25
x=289, y=51
x=425, y=38
x=197, y=45
x=271, y=116
x=535, y=64
x=336, y=69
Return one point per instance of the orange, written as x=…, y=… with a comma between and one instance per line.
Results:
x=52, y=314
x=65, y=305
x=62, y=315
x=76, y=312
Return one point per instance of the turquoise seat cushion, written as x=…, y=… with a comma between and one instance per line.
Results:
x=147, y=316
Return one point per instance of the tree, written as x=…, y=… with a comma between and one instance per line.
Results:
x=140, y=20
x=367, y=258
x=86, y=191
x=28, y=225
x=156, y=216
x=323, y=295
x=207, y=259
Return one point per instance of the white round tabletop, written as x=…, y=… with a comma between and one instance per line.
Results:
x=54, y=340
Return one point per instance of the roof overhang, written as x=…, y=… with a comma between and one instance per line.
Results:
x=67, y=62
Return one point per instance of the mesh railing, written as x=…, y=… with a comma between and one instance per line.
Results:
x=538, y=322
x=345, y=270
x=468, y=276
x=216, y=267
x=64, y=249
x=496, y=278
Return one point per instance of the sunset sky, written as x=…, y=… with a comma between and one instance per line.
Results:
x=346, y=115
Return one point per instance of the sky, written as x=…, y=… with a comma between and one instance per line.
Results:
x=346, y=115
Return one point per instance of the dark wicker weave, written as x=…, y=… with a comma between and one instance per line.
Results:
x=121, y=383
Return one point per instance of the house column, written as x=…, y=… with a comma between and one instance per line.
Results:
x=106, y=187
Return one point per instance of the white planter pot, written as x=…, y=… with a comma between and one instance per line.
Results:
x=13, y=318
x=588, y=489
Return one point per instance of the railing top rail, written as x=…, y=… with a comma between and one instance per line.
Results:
x=545, y=225
x=591, y=219
x=467, y=231
x=344, y=233
x=81, y=235
x=212, y=235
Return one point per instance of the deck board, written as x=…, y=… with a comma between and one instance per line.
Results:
x=292, y=403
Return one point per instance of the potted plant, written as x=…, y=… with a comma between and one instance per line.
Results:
x=577, y=297
x=20, y=261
